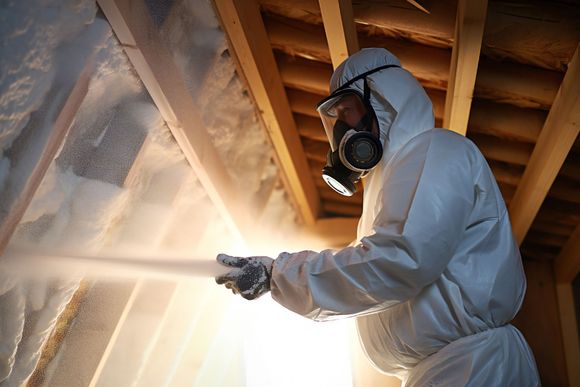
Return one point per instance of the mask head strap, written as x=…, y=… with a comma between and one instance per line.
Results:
x=364, y=76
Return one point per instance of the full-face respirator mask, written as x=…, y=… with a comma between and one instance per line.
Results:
x=353, y=132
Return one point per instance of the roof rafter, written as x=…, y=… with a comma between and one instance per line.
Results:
x=340, y=29
x=464, y=62
x=153, y=62
x=554, y=143
x=247, y=34
x=38, y=162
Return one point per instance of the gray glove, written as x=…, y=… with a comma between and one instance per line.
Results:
x=250, y=277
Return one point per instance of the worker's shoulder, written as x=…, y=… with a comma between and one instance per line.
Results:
x=453, y=143
x=447, y=147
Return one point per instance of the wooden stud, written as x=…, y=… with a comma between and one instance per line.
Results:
x=464, y=61
x=567, y=265
x=340, y=30
x=569, y=326
x=555, y=141
x=245, y=28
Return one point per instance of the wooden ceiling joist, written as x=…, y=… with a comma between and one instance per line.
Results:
x=556, y=139
x=464, y=62
x=245, y=28
x=340, y=30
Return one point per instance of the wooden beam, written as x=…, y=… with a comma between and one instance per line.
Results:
x=31, y=166
x=245, y=28
x=569, y=326
x=340, y=30
x=567, y=265
x=525, y=33
x=153, y=62
x=504, y=82
x=464, y=61
x=555, y=141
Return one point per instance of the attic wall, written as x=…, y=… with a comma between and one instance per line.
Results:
x=119, y=182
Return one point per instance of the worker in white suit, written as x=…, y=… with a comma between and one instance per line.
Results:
x=436, y=275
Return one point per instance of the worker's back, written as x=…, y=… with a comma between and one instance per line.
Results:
x=481, y=287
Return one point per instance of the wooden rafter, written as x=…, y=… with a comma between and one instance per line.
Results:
x=555, y=141
x=153, y=62
x=340, y=29
x=464, y=61
x=38, y=163
x=245, y=28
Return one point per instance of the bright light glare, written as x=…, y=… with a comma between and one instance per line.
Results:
x=286, y=350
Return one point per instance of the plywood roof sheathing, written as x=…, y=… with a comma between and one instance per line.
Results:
x=556, y=139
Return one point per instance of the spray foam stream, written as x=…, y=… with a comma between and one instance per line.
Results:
x=34, y=264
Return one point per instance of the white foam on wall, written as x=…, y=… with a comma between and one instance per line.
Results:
x=226, y=110
x=31, y=31
x=165, y=205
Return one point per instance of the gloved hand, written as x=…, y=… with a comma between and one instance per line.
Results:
x=250, y=277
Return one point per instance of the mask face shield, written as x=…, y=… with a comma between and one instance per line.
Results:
x=352, y=132
x=340, y=112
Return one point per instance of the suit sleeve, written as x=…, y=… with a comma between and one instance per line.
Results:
x=427, y=197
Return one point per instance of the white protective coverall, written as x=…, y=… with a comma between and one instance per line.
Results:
x=436, y=276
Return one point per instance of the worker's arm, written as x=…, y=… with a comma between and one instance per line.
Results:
x=426, y=203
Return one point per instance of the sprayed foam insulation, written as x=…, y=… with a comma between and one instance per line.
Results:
x=119, y=181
